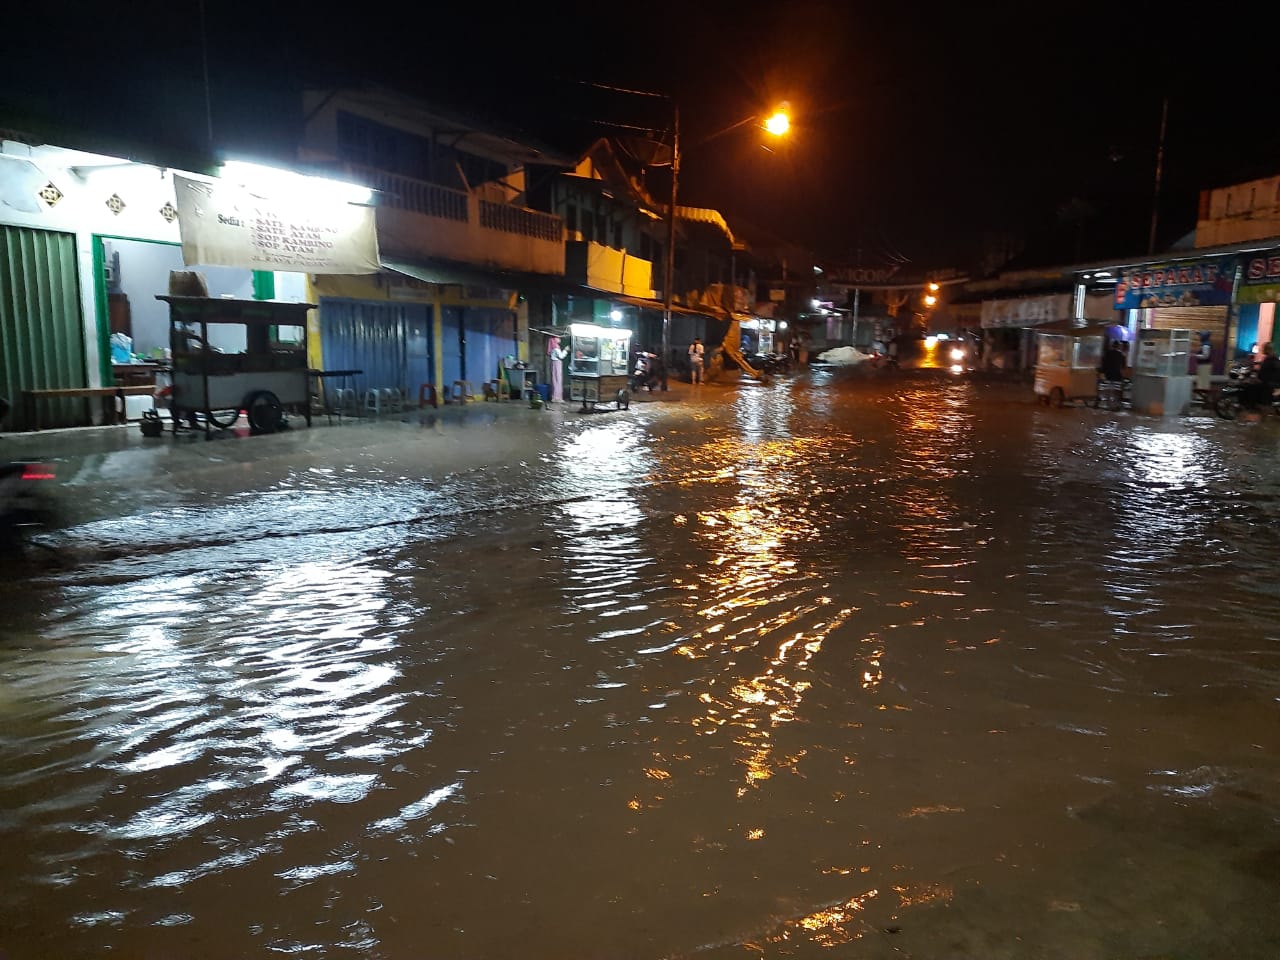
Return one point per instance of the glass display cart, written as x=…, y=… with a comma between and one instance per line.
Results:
x=1067, y=365
x=1162, y=378
x=598, y=365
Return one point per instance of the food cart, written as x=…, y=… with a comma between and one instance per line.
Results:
x=231, y=355
x=1067, y=362
x=598, y=365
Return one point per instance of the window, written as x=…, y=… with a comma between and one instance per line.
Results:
x=571, y=217
x=617, y=236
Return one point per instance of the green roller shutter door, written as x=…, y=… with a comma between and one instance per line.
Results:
x=41, y=330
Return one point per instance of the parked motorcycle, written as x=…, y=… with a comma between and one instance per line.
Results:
x=648, y=372
x=771, y=363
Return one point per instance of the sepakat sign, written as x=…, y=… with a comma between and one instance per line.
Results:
x=1260, y=279
x=1189, y=283
x=222, y=224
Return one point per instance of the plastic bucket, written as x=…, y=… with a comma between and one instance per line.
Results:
x=544, y=391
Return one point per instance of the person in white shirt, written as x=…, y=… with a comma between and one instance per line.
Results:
x=695, y=361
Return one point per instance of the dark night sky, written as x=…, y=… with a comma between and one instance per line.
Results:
x=921, y=130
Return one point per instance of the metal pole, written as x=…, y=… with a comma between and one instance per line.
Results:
x=204, y=55
x=669, y=281
x=1155, y=199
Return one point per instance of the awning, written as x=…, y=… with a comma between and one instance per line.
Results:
x=466, y=275
x=658, y=305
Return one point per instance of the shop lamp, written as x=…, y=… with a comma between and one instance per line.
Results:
x=591, y=330
x=287, y=185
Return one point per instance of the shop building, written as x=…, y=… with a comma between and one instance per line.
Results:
x=87, y=242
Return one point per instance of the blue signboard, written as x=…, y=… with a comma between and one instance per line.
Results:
x=1185, y=283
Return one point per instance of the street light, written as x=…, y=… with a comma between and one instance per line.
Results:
x=777, y=124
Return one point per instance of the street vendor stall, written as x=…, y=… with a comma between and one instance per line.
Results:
x=1067, y=363
x=232, y=355
x=598, y=365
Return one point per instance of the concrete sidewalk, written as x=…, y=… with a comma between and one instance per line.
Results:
x=60, y=442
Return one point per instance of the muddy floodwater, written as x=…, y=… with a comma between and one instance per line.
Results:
x=846, y=666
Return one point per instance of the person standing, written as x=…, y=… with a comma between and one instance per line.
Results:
x=1113, y=362
x=556, y=356
x=696, y=354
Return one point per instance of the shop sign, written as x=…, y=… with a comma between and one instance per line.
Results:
x=1026, y=311
x=222, y=224
x=870, y=276
x=1260, y=280
x=1187, y=283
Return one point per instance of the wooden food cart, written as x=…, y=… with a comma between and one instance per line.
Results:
x=238, y=355
x=599, y=365
x=1067, y=362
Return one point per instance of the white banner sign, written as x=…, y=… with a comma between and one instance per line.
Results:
x=1026, y=311
x=222, y=224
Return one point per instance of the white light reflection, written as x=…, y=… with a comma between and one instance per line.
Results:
x=1170, y=459
x=598, y=513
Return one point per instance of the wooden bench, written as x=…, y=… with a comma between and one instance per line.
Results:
x=114, y=410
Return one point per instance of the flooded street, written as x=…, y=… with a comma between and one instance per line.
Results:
x=908, y=668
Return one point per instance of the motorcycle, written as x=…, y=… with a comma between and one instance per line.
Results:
x=1239, y=393
x=647, y=373
x=26, y=499
x=771, y=363
x=26, y=502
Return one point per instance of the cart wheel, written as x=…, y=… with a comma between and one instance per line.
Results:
x=1227, y=406
x=1057, y=397
x=265, y=412
x=223, y=421
x=624, y=399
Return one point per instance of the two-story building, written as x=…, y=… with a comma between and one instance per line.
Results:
x=462, y=251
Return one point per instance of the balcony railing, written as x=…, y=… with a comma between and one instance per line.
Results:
x=525, y=222
x=417, y=196
x=421, y=219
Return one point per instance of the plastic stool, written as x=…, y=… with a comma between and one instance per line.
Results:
x=373, y=401
x=427, y=394
x=461, y=391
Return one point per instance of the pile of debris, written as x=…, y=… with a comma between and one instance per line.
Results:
x=843, y=355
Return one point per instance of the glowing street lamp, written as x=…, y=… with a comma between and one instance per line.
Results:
x=779, y=123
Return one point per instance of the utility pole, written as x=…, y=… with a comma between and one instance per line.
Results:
x=1155, y=199
x=669, y=281
x=204, y=52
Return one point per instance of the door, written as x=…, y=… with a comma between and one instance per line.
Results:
x=390, y=343
x=490, y=336
x=41, y=324
x=452, y=345
x=419, y=357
